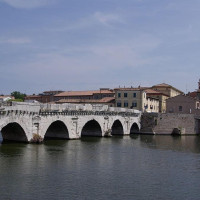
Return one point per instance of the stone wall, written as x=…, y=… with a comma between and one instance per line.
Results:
x=37, y=107
x=166, y=123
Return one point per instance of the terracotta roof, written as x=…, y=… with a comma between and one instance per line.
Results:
x=166, y=85
x=183, y=95
x=154, y=92
x=83, y=93
x=106, y=99
x=103, y=100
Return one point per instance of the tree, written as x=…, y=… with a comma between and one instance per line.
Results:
x=18, y=95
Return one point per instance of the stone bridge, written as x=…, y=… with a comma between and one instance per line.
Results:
x=22, y=121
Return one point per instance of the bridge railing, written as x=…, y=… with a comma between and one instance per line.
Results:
x=66, y=109
x=82, y=113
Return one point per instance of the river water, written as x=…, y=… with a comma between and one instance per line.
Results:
x=117, y=168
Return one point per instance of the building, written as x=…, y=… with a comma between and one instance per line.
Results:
x=84, y=95
x=166, y=89
x=33, y=98
x=187, y=104
x=5, y=98
x=110, y=101
x=160, y=96
x=136, y=98
x=45, y=97
x=183, y=104
x=152, y=105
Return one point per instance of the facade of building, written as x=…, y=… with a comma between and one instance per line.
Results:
x=166, y=89
x=81, y=95
x=160, y=96
x=183, y=104
x=135, y=98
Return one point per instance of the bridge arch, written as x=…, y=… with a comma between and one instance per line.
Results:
x=57, y=129
x=134, y=128
x=14, y=132
x=91, y=128
x=117, y=128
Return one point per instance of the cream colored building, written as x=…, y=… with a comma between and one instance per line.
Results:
x=135, y=98
x=166, y=89
x=160, y=96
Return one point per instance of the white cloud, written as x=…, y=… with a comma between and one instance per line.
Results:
x=107, y=19
x=27, y=3
x=15, y=40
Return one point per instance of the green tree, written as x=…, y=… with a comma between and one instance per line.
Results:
x=18, y=95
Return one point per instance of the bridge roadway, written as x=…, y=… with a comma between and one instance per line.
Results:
x=23, y=121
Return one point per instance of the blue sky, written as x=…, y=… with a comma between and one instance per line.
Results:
x=88, y=44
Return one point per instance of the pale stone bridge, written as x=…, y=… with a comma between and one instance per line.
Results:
x=21, y=121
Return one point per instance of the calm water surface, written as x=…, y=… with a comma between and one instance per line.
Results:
x=139, y=167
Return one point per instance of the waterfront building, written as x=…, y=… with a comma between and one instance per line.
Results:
x=160, y=96
x=136, y=98
x=183, y=104
x=187, y=104
x=81, y=95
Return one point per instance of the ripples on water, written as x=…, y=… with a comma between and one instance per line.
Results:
x=136, y=167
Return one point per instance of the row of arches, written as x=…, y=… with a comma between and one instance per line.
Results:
x=13, y=131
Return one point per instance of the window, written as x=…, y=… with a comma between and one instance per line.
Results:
x=119, y=95
x=180, y=108
x=125, y=104
x=119, y=104
x=125, y=94
x=134, y=104
x=134, y=94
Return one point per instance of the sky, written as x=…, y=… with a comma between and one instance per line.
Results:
x=91, y=44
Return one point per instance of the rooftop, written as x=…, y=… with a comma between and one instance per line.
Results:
x=154, y=92
x=103, y=100
x=84, y=93
x=165, y=85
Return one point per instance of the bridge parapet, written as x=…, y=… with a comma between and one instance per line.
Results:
x=67, y=109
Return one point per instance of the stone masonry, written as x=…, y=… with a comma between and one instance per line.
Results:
x=166, y=123
x=22, y=121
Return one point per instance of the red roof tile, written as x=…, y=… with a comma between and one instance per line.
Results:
x=83, y=93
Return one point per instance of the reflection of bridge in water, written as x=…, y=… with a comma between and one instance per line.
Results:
x=21, y=121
